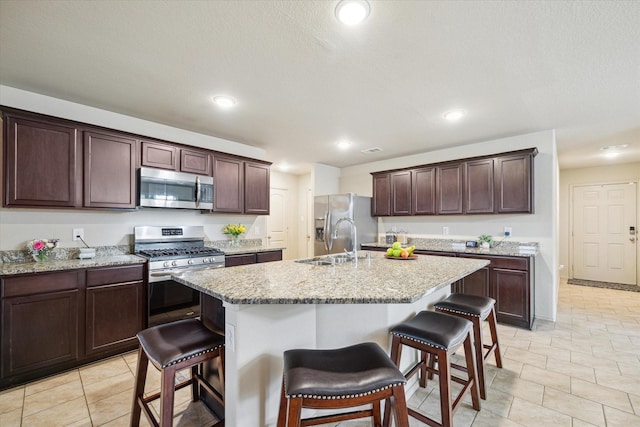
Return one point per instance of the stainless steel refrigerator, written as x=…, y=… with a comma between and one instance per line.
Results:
x=329, y=209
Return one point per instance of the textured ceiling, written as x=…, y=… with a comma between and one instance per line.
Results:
x=303, y=81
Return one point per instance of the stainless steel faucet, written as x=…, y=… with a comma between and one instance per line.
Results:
x=353, y=254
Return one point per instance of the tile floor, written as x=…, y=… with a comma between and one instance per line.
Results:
x=583, y=370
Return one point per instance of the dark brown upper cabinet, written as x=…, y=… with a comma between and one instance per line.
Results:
x=449, y=179
x=424, y=191
x=43, y=162
x=156, y=155
x=514, y=183
x=195, y=161
x=499, y=183
x=256, y=188
x=228, y=184
x=478, y=188
x=173, y=157
x=381, y=202
x=401, y=193
x=110, y=164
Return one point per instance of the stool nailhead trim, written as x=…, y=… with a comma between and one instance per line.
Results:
x=466, y=313
x=345, y=396
x=193, y=355
x=441, y=347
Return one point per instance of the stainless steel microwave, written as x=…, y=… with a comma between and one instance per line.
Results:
x=160, y=188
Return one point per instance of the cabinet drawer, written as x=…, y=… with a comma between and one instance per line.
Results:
x=269, y=256
x=433, y=253
x=103, y=276
x=235, y=260
x=39, y=284
x=510, y=263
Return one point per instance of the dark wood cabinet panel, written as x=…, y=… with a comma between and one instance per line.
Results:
x=424, y=191
x=228, y=190
x=381, y=195
x=449, y=195
x=401, y=193
x=270, y=256
x=478, y=188
x=195, y=161
x=157, y=155
x=514, y=183
x=240, y=259
x=39, y=331
x=110, y=163
x=256, y=188
x=513, y=296
x=43, y=163
x=115, y=314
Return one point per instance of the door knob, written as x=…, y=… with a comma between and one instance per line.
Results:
x=632, y=239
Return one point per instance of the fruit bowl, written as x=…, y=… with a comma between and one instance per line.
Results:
x=400, y=258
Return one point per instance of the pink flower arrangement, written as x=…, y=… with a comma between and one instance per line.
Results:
x=41, y=248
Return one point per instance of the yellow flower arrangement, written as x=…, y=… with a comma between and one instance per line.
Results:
x=234, y=229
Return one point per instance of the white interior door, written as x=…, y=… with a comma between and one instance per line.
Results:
x=604, y=246
x=277, y=223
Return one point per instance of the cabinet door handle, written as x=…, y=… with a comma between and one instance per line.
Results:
x=198, y=189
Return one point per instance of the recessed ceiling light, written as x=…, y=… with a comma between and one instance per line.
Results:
x=284, y=166
x=343, y=145
x=352, y=12
x=611, y=154
x=224, y=101
x=454, y=115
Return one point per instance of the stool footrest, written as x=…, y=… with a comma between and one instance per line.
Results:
x=334, y=418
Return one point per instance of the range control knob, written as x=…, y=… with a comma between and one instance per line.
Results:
x=205, y=260
x=190, y=262
x=166, y=264
x=174, y=263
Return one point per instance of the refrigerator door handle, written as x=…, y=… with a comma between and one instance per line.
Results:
x=328, y=240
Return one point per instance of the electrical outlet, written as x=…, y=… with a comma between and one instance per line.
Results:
x=445, y=231
x=78, y=232
x=507, y=232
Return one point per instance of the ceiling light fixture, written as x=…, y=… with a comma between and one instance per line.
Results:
x=454, y=115
x=224, y=101
x=352, y=12
x=343, y=145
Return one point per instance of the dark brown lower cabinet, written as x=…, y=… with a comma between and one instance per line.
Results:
x=235, y=260
x=507, y=279
x=115, y=311
x=56, y=321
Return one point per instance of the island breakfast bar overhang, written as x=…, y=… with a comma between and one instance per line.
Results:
x=273, y=307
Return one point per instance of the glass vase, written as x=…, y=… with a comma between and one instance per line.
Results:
x=39, y=257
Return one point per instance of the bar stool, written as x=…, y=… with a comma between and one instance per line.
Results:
x=361, y=374
x=170, y=348
x=437, y=336
x=476, y=309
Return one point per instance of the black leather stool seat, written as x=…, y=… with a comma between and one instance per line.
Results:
x=474, y=305
x=434, y=329
x=175, y=342
x=345, y=372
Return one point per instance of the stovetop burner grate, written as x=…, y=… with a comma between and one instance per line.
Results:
x=179, y=252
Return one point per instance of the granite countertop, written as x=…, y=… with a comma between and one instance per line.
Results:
x=444, y=245
x=379, y=280
x=7, y=269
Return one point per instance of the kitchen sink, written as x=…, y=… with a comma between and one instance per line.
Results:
x=326, y=260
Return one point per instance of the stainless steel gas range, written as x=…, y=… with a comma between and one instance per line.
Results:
x=173, y=250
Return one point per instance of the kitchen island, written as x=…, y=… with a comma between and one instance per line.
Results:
x=277, y=306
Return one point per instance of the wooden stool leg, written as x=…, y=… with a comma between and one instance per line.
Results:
x=424, y=360
x=295, y=412
x=377, y=418
x=138, y=392
x=167, y=390
x=479, y=354
x=444, y=376
x=282, y=412
x=493, y=328
x=469, y=357
x=400, y=403
x=396, y=353
x=195, y=387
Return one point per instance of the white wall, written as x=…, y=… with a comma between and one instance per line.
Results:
x=627, y=172
x=17, y=226
x=325, y=179
x=542, y=226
